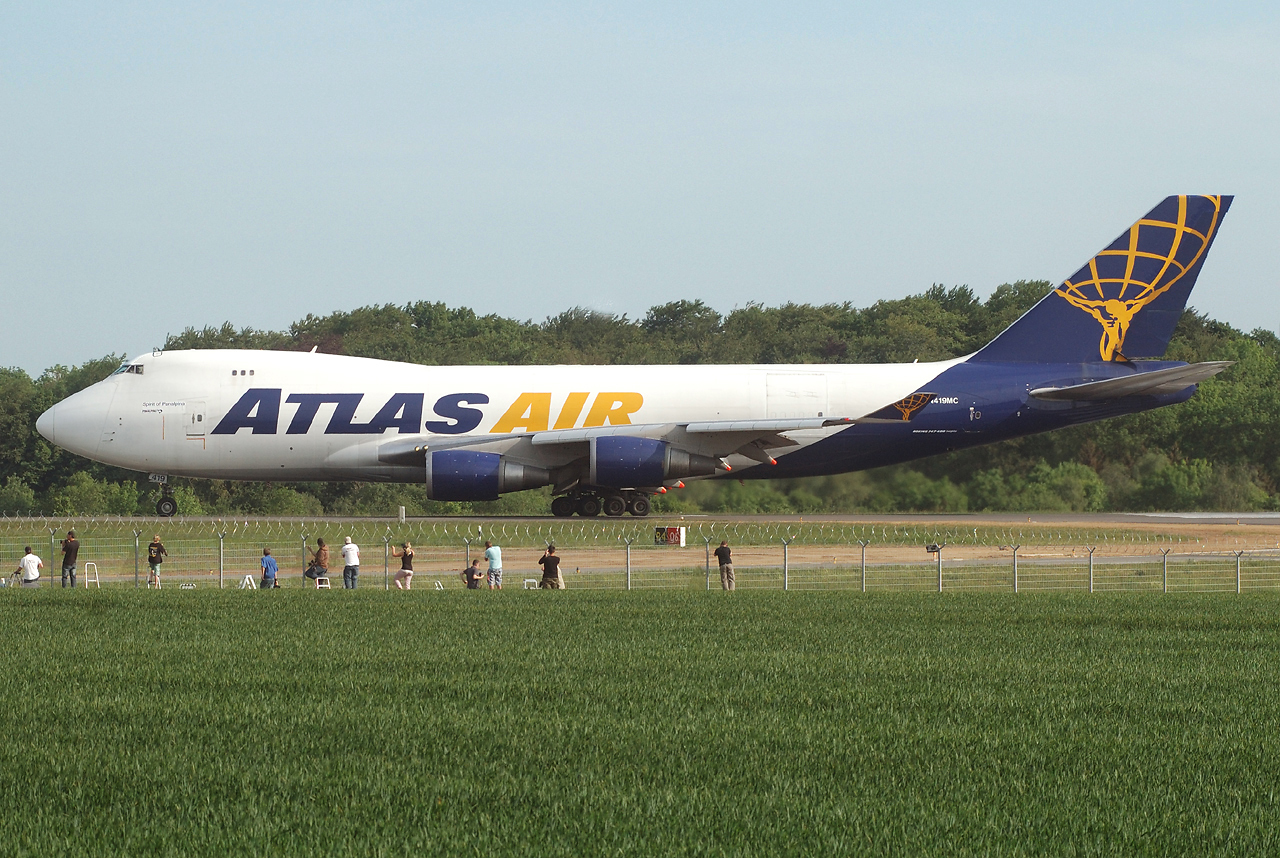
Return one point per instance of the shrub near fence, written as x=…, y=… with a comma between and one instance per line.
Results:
x=623, y=554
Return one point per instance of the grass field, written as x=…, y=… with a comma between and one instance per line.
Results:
x=296, y=722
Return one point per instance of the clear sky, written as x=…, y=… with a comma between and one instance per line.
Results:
x=166, y=165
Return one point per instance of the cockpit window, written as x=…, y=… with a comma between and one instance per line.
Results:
x=135, y=368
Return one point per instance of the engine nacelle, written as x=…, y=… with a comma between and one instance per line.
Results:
x=620, y=461
x=467, y=475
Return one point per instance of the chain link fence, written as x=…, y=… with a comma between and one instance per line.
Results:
x=628, y=554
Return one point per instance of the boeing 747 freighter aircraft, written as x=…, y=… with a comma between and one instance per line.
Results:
x=606, y=438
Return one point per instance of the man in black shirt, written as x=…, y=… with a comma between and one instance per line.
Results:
x=70, y=551
x=550, y=563
x=473, y=575
x=724, y=558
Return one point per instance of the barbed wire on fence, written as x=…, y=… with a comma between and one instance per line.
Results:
x=602, y=534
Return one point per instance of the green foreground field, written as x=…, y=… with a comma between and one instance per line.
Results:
x=296, y=722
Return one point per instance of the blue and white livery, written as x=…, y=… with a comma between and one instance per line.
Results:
x=606, y=438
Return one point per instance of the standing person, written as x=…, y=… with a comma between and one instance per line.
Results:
x=725, y=558
x=29, y=568
x=405, y=553
x=319, y=567
x=550, y=563
x=156, y=554
x=493, y=554
x=473, y=575
x=70, y=551
x=350, y=563
x=269, y=570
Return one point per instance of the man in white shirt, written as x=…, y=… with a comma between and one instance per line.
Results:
x=493, y=554
x=350, y=564
x=29, y=568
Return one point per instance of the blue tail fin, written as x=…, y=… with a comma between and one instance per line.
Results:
x=1125, y=302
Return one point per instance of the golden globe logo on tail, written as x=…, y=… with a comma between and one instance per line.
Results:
x=1151, y=266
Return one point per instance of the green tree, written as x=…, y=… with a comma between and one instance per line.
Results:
x=84, y=495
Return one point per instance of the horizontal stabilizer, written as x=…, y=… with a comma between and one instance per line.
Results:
x=1151, y=383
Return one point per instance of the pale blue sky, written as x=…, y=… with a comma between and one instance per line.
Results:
x=170, y=166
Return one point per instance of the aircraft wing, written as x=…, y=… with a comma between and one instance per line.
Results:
x=716, y=438
x=1158, y=381
x=703, y=427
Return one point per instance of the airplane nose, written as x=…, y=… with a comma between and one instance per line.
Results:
x=75, y=423
x=45, y=425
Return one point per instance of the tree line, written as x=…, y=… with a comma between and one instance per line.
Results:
x=1217, y=451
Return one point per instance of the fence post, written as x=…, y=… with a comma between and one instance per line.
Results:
x=52, y=554
x=786, y=565
x=467, y=564
x=940, y=567
x=1091, y=550
x=305, y=564
x=386, y=553
x=707, y=539
x=1015, y=566
x=136, y=535
x=1164, y=569
x=864, y=543
x=1238, y=555
x=629, y=540
x=221, y=537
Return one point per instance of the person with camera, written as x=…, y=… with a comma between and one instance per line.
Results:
x=724, y=556
x=404, y=578
x=550, y=563
x=473, y=575
x=493, y=554
x=319, y=567
x=70, y=553
x=269, y=570
x=156, y=553
x=351, y=564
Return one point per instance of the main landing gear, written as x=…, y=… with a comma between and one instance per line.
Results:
x=167, y=506
x=589, y=504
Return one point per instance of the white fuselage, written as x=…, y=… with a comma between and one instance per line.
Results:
x=176, y=412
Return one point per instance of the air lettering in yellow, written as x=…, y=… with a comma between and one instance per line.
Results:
x=572, y=408
x=613, y=408
x=530, y=412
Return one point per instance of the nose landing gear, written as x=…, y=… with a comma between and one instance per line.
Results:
x=167, y=506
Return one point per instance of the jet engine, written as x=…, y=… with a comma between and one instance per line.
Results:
x=467, y=475
x=619, y=461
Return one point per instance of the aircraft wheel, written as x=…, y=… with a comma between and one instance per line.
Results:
x=588, y=506
x=614, y=506
x=166, y=507
x=563, y=506
x=639, y=505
